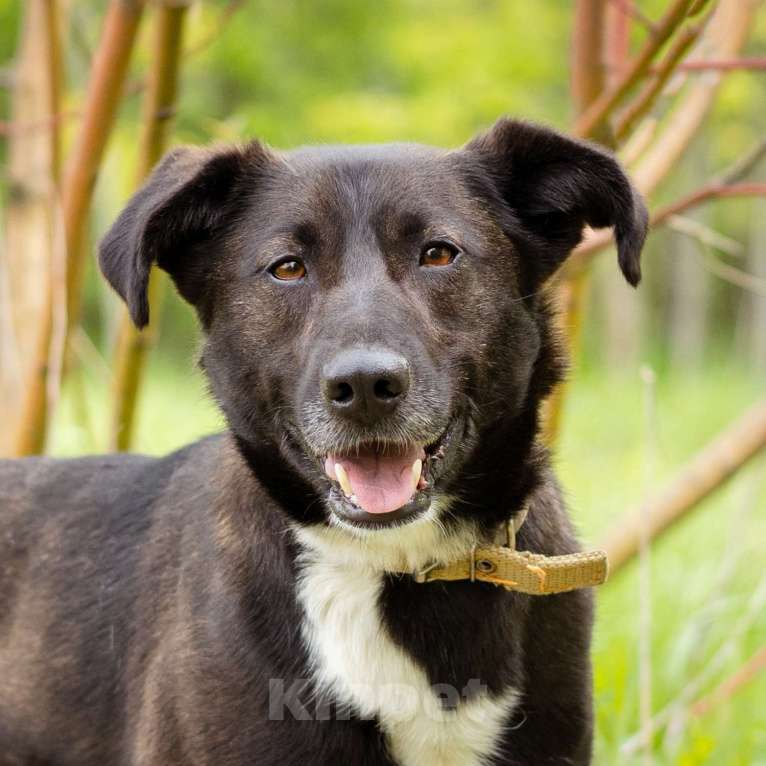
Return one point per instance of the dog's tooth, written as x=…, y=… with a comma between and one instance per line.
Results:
x=417, y=468
x=343, y=480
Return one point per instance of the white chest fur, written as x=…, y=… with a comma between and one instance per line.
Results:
x=354, y=658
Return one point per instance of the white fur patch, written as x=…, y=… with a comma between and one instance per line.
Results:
x=354, y=657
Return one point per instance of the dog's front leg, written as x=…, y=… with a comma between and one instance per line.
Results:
x=553, y=723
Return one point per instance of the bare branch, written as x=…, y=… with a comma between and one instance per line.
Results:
x=587, y=58
x=702, y=475
x=735, y=276
x=103, y=97
x=159, y=107
x=600, y=110
x=705, y=235
x=744, y=165
x=708, y=192
x=7, y=77
x=15, y=127
x=725, y=35
x=31, y=255
x=646, y=99
x=588, y=81
x=595, y=242
x=629, y=8
x=728, y=688
x=730, y=65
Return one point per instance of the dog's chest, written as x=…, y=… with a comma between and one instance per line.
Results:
x=356, y=662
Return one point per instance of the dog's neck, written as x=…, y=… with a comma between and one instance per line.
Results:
x=434, y=538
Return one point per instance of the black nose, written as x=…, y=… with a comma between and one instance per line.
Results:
x=365, y=383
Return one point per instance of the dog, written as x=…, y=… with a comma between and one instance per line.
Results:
x=378, y=330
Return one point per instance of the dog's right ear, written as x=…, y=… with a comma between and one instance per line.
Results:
x=189, y=196
x=554, y=186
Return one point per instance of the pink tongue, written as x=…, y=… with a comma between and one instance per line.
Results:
x=381, y=483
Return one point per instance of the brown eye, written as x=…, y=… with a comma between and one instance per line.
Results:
x=438, y=254
x=289, y=270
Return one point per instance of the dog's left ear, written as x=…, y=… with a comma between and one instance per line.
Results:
x=185, y=202
x=555, y=186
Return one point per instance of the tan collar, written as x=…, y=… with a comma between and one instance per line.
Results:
x=522, y=571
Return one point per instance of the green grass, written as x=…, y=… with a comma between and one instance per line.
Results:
x=703, y=572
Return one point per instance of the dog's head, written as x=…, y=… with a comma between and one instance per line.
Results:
x=374, y=320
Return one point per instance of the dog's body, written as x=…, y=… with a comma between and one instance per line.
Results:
x=245, y=600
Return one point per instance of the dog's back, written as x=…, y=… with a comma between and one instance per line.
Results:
x=78, y=588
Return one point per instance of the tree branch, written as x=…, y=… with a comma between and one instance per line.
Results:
x=705, y=235
x=743, y=166
x=701, y=476
x=133, y=346
x=734, y=276
x=107, y=77
x=646, y=99
x=728, y=688
x=725, y=35
x=588, y=81
x=598, y=241
x=31, y=260
x=600, y=110
x=730, y=65
x=708, y=192
x=629, y=9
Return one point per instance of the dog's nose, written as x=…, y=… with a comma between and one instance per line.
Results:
x=365, y=384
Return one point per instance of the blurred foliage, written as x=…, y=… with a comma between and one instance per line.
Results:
x=344, y=71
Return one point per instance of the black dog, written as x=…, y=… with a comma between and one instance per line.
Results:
x=377, y=333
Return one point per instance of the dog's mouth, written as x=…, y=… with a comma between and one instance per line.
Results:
x=374, y=485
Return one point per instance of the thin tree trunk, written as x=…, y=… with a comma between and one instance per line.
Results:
x=588, y=54
x=588, y=80
x=622, y=308
x=725, y=35
x=133, y=346
x=110, y=65
x=594, y=118
x=28, y=267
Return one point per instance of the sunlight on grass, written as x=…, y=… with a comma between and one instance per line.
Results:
x=704, y=571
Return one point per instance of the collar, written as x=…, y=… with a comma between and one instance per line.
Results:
x=532, y=573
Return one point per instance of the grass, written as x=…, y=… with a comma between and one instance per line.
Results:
x=704, y=572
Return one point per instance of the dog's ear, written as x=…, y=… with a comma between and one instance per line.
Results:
x=554, y=186
x=189, y=196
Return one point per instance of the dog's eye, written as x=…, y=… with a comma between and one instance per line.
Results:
x=438, y=254
x=288, y=270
